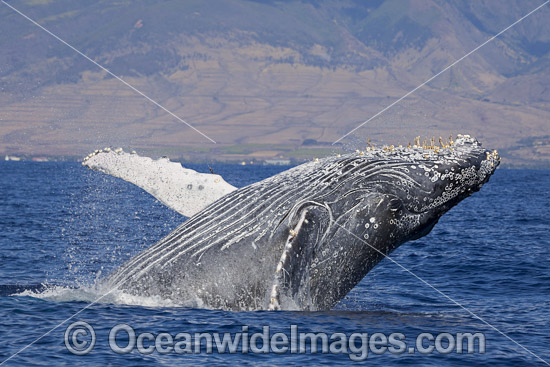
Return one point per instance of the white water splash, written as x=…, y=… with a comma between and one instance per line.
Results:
x=96, y=294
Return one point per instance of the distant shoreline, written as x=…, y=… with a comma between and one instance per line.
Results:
x=256, y=162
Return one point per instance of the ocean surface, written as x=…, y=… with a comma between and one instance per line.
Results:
x=62, y=227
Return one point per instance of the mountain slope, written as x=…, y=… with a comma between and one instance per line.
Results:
x=261, y=77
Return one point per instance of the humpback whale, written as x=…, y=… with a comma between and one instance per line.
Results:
x=301, y=239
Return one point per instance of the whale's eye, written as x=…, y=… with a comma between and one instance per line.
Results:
x=395, y=204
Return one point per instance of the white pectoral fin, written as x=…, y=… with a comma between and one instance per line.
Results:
x=184, y=190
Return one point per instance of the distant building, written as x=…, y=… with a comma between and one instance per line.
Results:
x=279, y=162
x=12, y=158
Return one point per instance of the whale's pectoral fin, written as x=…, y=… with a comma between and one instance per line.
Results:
x=293, y=273
x=181, y=189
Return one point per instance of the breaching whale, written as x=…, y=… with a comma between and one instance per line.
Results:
x=302, y=239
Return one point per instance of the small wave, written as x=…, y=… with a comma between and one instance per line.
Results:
x=98, y=294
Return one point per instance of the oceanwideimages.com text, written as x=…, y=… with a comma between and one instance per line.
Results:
x=80, y=339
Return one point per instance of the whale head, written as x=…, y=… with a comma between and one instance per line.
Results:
x=374, y=201
x=429, y=181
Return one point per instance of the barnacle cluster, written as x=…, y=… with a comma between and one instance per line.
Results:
x=105, y=150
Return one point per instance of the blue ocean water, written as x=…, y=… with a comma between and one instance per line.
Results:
x=63, y=226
